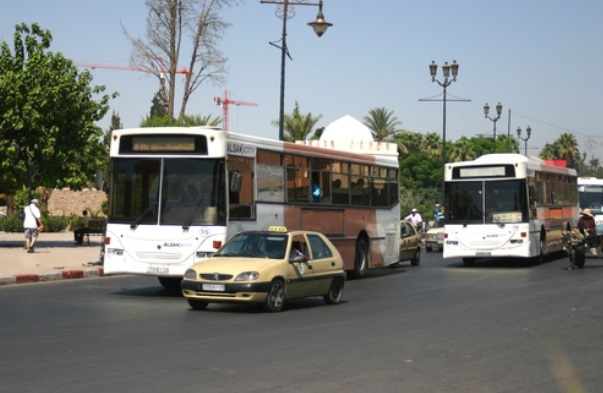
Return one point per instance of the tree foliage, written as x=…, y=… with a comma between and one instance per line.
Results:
x=187, y=121
x=564, y=148
x=298, y=126
x=182, y=29
x=47, y=114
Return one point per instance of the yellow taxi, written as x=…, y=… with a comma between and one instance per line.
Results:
x=268, y=268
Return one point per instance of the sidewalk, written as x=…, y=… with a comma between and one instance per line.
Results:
x=56, y=257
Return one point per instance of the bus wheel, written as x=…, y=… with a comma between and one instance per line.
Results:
x=469, y=261
x=428, y=249
x=276, y=297
x=171, y=283
x=335, y=293
x=196, y=304
x=542, y=252
x=361, y=260
x=416, y=261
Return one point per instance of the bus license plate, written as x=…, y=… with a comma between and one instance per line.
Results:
x=213, y=287
x=483, y=254
x=158, y=270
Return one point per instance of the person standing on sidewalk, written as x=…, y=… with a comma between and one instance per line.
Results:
x=31, y=223
x=83, y=225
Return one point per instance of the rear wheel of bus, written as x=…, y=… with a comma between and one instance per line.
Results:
x=361, y=260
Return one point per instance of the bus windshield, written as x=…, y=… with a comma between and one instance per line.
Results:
x=483, y=202
x=168, y=191
x=591, y=197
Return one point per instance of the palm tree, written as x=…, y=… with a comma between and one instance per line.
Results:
x=432, y=144
x=462, y=150
x=383, y=124
x=564, y=148
x=567, y=149
x=297, y=126
x=408, y=141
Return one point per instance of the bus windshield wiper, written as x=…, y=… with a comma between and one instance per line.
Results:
x=189, y=220
x=137, y=220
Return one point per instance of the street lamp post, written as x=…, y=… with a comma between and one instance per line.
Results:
x=494, y=120
x=525, y=139
x=319, y=26
x=446, y=70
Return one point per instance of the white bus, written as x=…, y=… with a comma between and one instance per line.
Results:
x=590, y=194
x=177, y=194
x=507, y=205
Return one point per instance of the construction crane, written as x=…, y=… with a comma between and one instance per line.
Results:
x=127, y=68
x=161, y=72
x=225, y=103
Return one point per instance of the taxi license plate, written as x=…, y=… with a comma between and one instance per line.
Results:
x=213, y=287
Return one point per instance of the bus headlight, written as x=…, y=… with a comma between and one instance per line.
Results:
x=247, y=276
x=190, y=274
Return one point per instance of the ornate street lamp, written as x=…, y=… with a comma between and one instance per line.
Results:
x=525, y=139
x=494, y=120
x=446, y=71
x=284, y=12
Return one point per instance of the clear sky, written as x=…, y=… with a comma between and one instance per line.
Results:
x=537, y=57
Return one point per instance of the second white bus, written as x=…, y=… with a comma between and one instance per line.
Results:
x=507, y=205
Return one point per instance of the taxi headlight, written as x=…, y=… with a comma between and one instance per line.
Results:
x=247, y=276
x=190, y=274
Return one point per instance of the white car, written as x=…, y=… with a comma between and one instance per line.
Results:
x=434, y=237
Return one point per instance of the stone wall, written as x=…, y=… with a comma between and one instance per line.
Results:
x=65, y=201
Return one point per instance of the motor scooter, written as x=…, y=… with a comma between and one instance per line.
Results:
x=576, y=245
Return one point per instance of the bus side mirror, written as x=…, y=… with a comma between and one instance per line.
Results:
x=235, y=182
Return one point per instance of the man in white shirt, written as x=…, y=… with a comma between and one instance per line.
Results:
x=415, y=219
x=30, y=224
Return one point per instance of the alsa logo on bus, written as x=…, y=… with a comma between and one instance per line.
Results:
x=240, y=149
x=177, y=244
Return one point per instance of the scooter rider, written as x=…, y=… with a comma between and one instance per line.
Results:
x=586, y=226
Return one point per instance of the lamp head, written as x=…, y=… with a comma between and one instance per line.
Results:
x=455, y=69
x=446, y=70
x=433, y=70
x=529, y=131
x=486, y=109
x=320, y=25
x=519, y=132
x=498, y=109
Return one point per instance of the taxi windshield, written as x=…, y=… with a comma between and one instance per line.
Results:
x=255, y=245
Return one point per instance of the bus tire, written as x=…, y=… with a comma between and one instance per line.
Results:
x=170, y=283
x=197, y=304
x=542, y=255
x=361, y=259
x=335, y=293
x=428, y=249
x=275, y=300
x=468, y=261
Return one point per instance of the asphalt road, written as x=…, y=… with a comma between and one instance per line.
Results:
x=438, y=327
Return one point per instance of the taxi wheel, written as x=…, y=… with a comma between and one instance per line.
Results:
x=335, y=293
x=416, y=261
x=196, y=304
x=276, y=296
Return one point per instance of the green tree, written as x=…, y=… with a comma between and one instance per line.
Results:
x=383, y=124
x=187, y=121
x=47, y=113
x=408, y=142
x=298, y=126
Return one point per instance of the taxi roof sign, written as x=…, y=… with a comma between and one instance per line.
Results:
x=276, y=228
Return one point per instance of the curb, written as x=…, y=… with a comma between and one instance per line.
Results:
x=57, y=276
